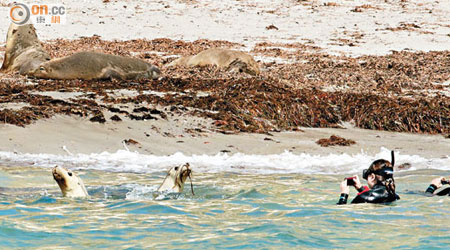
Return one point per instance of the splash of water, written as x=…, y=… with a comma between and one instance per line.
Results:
x=287, y=162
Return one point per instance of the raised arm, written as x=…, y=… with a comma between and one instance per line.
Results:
x=435, y=184
x=344, y=193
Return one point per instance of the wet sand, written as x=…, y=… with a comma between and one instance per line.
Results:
x=82, y=136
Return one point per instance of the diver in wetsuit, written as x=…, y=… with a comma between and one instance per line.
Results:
x=435, y=185
x=381, y=185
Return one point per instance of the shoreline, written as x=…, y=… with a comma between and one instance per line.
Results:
x=371, y=75
x=79, y=135
x=310, y=77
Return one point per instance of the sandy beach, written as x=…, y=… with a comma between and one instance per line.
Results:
x=342, y=83
x=361, y=33
x=63, y=135
x=359, y=27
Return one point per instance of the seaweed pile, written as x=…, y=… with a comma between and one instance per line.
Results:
x=335, y=140
x=239, y=105
x=403, y=91
x=255, y=105
x=400, y=73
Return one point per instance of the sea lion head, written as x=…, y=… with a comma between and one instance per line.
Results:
x=154, y=72
x=70, y=184
x=249, y=66
x=20, y=37
x=44, y=70
x=23, y=51
x=175, y=179
x=32, y=63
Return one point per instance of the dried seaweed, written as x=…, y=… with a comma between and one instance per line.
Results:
x=116, y=118
x=397, y=92
x=131, y=142
x=335, y=140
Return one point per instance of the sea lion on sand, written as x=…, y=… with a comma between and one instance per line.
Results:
x=71, y=185
x=175, y=178
x=94, y=65
x=24, y=52
x=222, y=58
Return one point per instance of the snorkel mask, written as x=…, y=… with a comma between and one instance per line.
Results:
x=386, y=171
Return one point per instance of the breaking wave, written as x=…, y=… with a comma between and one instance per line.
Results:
x=287, y=162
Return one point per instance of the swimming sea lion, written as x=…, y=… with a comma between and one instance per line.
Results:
x=222, y=58
x=93, y=65
x=175, y=179
x=24, y=52
x=70, y=184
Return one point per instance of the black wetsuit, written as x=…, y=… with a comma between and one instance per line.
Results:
x=430, y=191
x=378, y=194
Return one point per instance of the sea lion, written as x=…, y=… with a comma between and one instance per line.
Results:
x=90, y=65
x=70, y=184
x=24, y=52
x=223, y=58
x=175, y=178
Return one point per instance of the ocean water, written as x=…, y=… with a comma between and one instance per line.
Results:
x=241, y=202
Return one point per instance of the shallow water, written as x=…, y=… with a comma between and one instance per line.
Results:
x=230, y=209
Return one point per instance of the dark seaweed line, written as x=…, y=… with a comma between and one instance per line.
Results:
x=242, y=105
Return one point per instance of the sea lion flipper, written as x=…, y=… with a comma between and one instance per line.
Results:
x=112, y=74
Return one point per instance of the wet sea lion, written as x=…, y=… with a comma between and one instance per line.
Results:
x=24, y=52
x=90, y=65
x=175, y=178
x=222, y=58
x=70, y=184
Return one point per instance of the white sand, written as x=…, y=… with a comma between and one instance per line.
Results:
x=245, y=22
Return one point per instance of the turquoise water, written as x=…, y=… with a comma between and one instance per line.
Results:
x=228, y=211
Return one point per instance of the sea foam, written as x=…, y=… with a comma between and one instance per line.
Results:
x=287, y=162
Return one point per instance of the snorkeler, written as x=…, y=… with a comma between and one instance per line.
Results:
x=436, y=184
x=380, y=181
